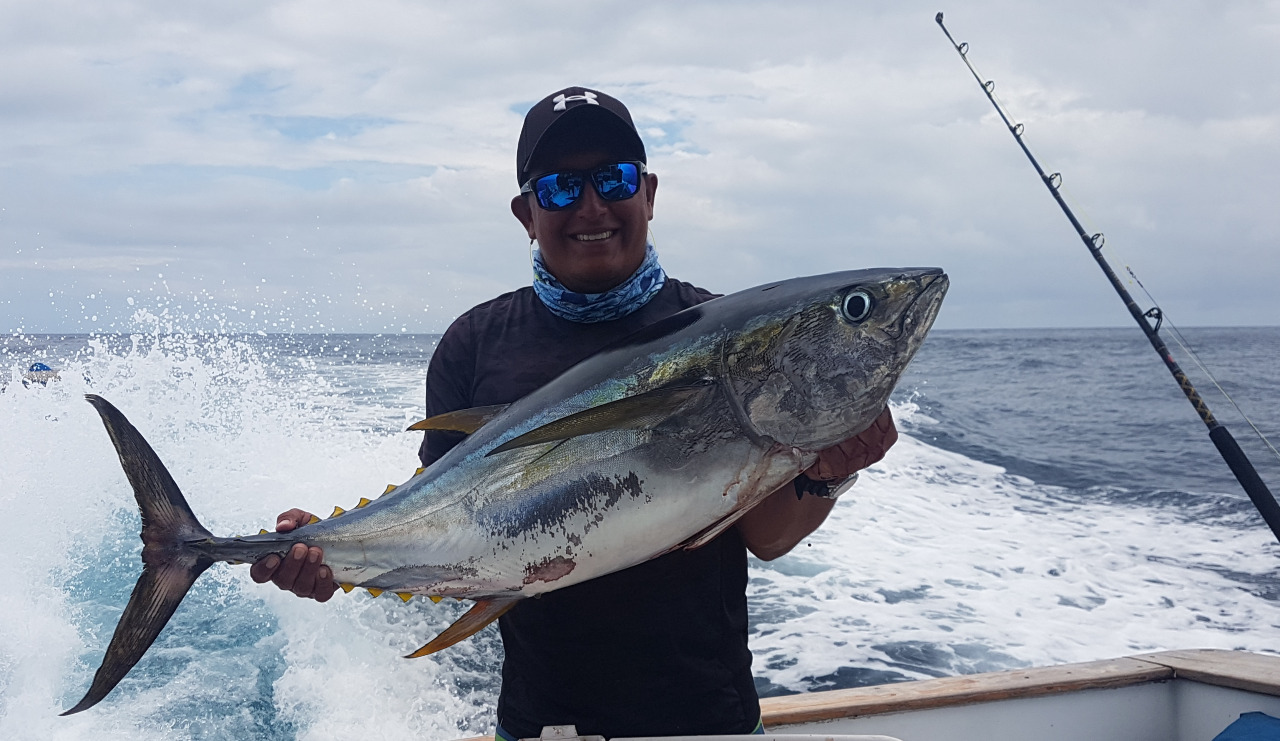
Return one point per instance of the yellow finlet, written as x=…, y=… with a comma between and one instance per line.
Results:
x=374, y=592
x=364, y=502
x=419, y=471
x=337, y=511
x=404, y=596
x=347, y=587
x=390, y=488
x=436, y=598
x=263, y=531
x=313, y=520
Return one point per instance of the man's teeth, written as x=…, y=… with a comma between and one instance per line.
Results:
x=594, y=237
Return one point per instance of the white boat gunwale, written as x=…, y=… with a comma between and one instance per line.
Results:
x=1235, y=670
x=1240, y=670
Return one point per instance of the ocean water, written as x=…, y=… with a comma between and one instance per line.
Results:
x=1053, y=498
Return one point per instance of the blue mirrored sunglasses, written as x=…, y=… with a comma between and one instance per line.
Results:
x=616, y=181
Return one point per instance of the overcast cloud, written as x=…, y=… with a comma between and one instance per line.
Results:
x=321, y=166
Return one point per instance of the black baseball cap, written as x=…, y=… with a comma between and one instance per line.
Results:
x=582, y=106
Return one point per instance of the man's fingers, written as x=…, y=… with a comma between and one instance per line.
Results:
x=841, y=459
x=878, y=439
x=292, y=520
x=890, y=429
x=287, y=575
x=263, y=568
x=325, y=585
x=858, y=452
x=309, y=575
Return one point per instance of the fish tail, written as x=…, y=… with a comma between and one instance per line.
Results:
x=170, y=564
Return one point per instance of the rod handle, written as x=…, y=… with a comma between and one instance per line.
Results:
x=1248, y=477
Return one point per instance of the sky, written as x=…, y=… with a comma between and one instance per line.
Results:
x=329, y=166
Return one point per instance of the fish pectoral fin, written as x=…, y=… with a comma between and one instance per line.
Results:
x=710, y=533
x=462, y=420
x=640, y=412
x=484, y=611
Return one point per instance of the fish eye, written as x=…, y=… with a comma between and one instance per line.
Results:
x=857, y=306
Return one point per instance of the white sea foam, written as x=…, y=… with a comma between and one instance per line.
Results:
x=938, y=564
x=244, y=444
x=934, y=563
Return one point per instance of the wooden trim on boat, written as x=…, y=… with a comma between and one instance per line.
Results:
x=1237, y=669
x=962, y=690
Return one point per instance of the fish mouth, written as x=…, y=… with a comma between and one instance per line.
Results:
x=918, y=316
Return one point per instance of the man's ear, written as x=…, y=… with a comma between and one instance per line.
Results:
x=522, y=211
x=651, y=189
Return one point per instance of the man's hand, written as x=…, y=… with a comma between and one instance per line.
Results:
x=780, y=522
x=865, y=449
x=302, y=571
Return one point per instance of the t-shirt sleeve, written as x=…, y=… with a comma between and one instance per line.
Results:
x=450, y=375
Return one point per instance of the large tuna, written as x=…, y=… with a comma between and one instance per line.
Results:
x=659, y=442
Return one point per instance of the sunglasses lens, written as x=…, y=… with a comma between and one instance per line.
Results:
x=558, y=190
x=617, y=182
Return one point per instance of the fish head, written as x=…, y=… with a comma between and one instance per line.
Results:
x=818, y=362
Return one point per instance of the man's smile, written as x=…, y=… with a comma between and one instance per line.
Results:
x=594, y=237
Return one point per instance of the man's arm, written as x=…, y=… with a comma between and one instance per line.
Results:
x=778, y=524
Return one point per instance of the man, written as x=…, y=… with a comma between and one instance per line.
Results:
x=660, y=648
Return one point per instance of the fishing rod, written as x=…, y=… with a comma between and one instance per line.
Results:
x=1221, y=437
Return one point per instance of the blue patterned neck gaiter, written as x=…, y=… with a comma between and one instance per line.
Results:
x=615, y=303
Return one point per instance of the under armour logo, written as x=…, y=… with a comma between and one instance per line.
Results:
x=562, y=101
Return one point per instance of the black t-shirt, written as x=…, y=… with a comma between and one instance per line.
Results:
x=656, y=649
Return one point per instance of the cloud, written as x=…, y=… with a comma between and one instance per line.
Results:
x=114, y=263
x=358, y=160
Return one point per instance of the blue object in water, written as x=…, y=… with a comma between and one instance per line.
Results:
x=39, y=373
x=1251, y=727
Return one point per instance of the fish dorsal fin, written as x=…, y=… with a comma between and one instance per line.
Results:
x=484, y=611
x=639, y=412
x=462, y=420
